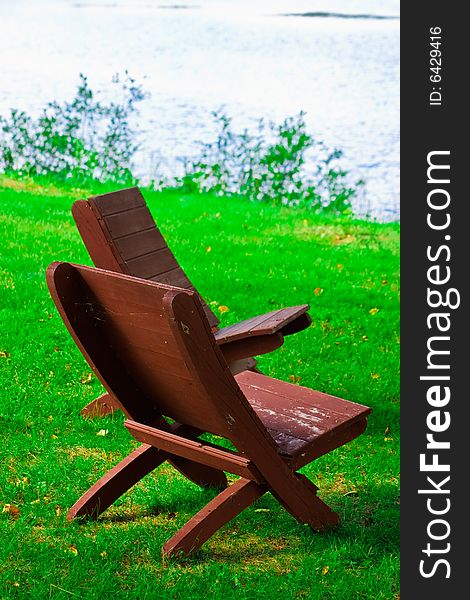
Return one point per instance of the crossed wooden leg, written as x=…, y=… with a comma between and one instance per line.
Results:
x=232, y=501
x=321, y=517
x=131, y=470
x=218, y=512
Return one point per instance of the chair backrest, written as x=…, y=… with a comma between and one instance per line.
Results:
x=121, y=235
x=152, y=348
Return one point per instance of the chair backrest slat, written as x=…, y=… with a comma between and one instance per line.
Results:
x=140, y=243
x=144, y=266
x=121, y=235
x=118, y=202
x=152, y=347
x=128, y=222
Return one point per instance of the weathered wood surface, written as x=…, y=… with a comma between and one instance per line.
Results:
x=152, y=347
x=301, y=424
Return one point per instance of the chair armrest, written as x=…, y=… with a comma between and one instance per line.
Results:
x=284, y=321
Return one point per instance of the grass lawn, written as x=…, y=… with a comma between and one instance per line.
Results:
x=251, y=259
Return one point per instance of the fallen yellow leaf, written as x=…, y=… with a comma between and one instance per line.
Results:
x=374, y=311
x=325, y=570
x=12, y=510
x=87, y=378
x=223, y=309
x=317, y=291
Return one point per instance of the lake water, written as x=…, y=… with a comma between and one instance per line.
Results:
x=255, y=58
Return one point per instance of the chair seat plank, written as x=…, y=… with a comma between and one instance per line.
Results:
x=304, y=421
x=298, y=452
x=295, y=394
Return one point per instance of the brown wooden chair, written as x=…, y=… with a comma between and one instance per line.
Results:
x=152, y=347
x=121, y=235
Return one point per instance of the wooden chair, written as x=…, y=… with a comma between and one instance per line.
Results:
x=121, y=235
x=152, y=347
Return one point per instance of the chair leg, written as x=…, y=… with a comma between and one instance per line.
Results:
x=199, y=474
x=217, y=513
x=99, y=407
x=117, y=481
x=131, y=470
x=320, y=516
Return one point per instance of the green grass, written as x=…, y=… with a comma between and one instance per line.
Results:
x=252, y=259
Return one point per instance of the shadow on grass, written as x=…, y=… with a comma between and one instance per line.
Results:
x=369, y=529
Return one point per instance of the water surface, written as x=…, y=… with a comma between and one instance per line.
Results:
x=339, y=64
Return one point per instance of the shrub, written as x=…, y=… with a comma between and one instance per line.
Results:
x=75, y=140
x=86, y=139
x=281, y=164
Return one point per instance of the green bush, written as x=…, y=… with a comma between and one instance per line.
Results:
x=86, y=139
x=280, y=164
x=78, y=140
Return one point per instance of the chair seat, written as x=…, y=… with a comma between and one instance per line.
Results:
x=304, y=423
